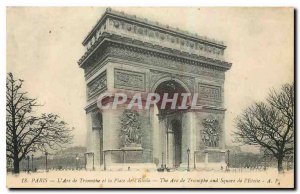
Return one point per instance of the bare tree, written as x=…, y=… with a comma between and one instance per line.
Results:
x=25, y=132
x=270, y=124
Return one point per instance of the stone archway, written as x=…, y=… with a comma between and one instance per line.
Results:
x=161, y=78
x=170, y=123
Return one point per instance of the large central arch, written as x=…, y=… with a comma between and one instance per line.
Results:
x=170, y=122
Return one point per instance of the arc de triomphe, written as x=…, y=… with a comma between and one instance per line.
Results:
x=127, y=54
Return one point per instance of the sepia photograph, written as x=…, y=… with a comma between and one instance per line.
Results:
x=150, y=97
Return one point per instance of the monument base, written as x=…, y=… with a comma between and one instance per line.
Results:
x=130, y=167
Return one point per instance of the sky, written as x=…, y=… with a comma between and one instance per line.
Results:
x=44, y=45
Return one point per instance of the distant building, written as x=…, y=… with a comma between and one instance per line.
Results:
x=69, y=158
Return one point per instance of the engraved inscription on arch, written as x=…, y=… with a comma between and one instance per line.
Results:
x=209, y=92
x=131, y=80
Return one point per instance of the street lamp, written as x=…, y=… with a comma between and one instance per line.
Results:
x=188, y=152
x=94, y=161
x=77, y=158
x=234, y=161
x=46, y=154
x=162, y=160
x=32, y=162
x=228, y=161
x=104, y=161
x=194, y=159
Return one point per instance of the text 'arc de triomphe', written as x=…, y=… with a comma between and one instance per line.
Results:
x=127, y=54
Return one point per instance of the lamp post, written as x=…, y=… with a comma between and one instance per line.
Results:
x=32, y=162
x=94, y=161
x=188, y=153
x=77, y=158
x=194, y=159
x=234, y=161
x=85, y=161
x=104, y=162
x=46, y=154
x=28, y=158
x=228, y=161
x=162, y=160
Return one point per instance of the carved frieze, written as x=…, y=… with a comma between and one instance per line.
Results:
x=97, y=85
x=168, y=63
x=209, y=92
x=130, y=53
x=131, y=80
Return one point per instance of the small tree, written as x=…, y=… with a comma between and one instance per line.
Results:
x=270, y=124
x=25, y=132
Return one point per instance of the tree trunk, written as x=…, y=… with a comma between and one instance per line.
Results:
x=16, y=166
x=16, y=155
x=279, y=164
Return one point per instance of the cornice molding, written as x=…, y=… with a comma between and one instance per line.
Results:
x=145, y=22
x=153, y=50
x=129, y=29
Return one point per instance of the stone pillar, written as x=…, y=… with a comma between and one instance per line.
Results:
x=93, y=141
x=146, y=156
x=223, y=158
x=162, y=144
x=171, y=149
x=206, y=158
x=156, y=141
x=89, y=144
x=188, y=136
x=111, y=134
